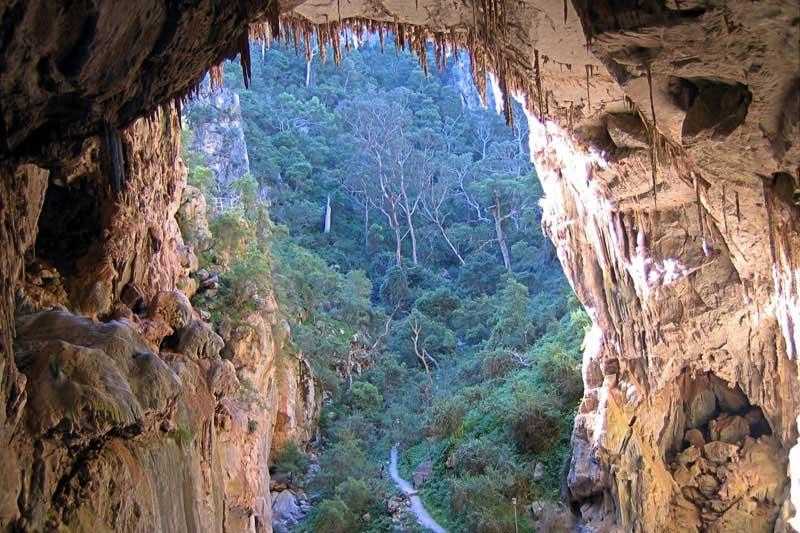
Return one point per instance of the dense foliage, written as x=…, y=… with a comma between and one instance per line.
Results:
x=433, y=309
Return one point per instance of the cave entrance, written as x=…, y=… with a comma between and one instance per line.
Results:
x=69, y=223
x=729, y=468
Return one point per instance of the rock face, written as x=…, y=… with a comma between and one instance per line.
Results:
x=216, y=121
x=119, y=396
x=665, y=135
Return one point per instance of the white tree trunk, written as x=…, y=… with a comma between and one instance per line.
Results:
x=327, y=226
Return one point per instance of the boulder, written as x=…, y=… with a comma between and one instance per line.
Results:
x=689, y=455
x=695, y=438
x=700, y=406
x=285, y=508
x=729, y=428
x=198, y=340
x=172, y=307
x=720, y=452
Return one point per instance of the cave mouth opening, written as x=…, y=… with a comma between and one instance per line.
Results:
x=724, y=459
x=69, y=223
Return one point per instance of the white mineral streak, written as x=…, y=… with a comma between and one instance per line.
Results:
x=563, y=166
x=497, y=94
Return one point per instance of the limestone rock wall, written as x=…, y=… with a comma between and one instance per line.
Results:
x=215, y=118
x=127, y=411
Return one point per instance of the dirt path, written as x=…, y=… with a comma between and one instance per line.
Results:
x=417, y=508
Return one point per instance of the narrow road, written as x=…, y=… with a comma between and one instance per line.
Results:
x=424, y=519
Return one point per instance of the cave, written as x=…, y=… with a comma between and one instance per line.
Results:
x=69, y=223
x=713, y=107
x=724, y=459
x=689, y=418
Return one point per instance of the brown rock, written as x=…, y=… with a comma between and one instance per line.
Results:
x=689, y=455
x=720, y=452
x=708, y=485
x=695, y=438
x=729, y=428
x=172, y=307
x=198, y=340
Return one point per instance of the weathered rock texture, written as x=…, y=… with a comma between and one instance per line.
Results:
x=215, y=117
x=125, y=410
x=666, y=138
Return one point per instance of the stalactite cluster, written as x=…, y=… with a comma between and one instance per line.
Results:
x=482, y=40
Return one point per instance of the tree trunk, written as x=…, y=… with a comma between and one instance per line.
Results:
x=501, y=237
x=449, y=242
x=366, y=225
x=327, y=226
x=415, y=328
x=413, y=236
x=308, y=70
x=398, y=239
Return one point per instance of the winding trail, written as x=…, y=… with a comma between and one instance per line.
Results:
x=424, y=519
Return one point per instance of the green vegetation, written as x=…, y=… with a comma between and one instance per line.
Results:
x=433, y=311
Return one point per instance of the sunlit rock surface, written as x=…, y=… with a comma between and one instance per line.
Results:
x=128, y=411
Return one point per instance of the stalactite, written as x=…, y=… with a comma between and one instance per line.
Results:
x=215, y=76
x=537, y=73
x=114, y=156
x=588, y=94
x=482, y=41
x=653, y=137
x=700, y=217
x=244, y=57
x=565, y=12
x=738, y=211
x=766, y=189
x=724, y=210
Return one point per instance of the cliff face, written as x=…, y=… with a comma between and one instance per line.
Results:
x=128, y=412
x=216, y=121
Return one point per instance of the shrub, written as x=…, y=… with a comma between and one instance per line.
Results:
x=333, y=516
x=560, y=369
x=475, y=456
x=497, y=363
x=394, y=289
x=365, y=396
x=344, y=459
x=535, y=422
x=447, y=416
x=290, y=459
x=356, y=495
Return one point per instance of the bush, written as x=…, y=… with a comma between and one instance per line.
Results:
x=535, y=422
x=394, y=289
x=342, y=460
x=290, y=459
x=333, y=516
x=560, y=369
x=447, y=416
x=356, y=495
x=497, y=363
x=475, y=456
x=365, y=396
